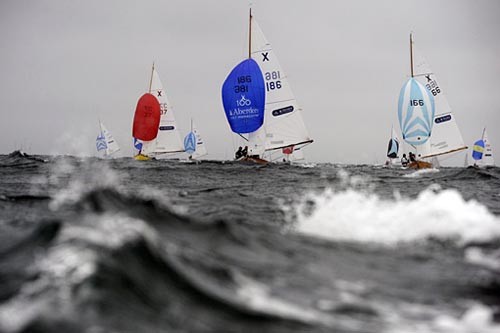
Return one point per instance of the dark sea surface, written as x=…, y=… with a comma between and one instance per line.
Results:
x=91, y=245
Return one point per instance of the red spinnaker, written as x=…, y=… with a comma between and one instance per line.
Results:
x=146, y=118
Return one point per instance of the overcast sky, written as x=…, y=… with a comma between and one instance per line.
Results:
x=64, y=64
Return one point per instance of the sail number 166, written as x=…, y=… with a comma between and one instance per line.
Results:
x=416, y=102
x=272, y=80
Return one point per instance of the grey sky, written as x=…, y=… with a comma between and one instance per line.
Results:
x=66, y=63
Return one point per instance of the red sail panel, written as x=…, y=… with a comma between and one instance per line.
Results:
x=288, y=150
x=146, y=118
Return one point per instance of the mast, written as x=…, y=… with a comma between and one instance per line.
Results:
x=151, y=79
x=250, y=34
x=411, y=54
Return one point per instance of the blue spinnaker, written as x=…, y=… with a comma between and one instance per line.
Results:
x=100, y=142
x=244, y=97
x=478, y=150
x=190, y=143
x=415, y=112
x=137, y=144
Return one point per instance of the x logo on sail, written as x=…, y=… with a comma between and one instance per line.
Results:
x=159, y=93
x=265, y=56
x=428, y=77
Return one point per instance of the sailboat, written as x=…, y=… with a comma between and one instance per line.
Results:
x=283, y=126
x=105, y=142
x=482, y=152
x=194, y=145
x=425, y=117
x=393, y=149
x=168, y=139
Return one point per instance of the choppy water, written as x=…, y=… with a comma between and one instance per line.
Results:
x=90, y=245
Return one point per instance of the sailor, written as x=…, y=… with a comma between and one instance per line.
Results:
x=245, y=151
x=238, y=153
x=412, y=157
x=404, y=160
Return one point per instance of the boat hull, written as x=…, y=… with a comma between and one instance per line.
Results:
x=253, y=159
x=141, y=157
x=419, y=165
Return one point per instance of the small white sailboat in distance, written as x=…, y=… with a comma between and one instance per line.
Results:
x=194, y=145
x=425, y=117
x=482, y=152
x=393, y=150
x=105, y=142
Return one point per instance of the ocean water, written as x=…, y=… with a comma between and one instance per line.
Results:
x=90, y=245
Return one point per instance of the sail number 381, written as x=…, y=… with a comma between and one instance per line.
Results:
x=272, y=80
x=242, y=85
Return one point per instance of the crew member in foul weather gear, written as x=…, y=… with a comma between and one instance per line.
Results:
x=404, y=160
x=245, y=151
x=239, y=153
x=412, y=157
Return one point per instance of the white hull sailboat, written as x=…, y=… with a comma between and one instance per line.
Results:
x=283, y=126
x=168, y=139
x=105, y=142
x=482, y=152
x=194, y=145
x=441, y=135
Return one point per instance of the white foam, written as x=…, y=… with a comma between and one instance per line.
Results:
x=478, y=256
x=354, y=215
x=419, y=173
x=477, y=318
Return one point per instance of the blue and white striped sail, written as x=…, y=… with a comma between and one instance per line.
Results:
x=100, y=142
x=415, y=112
x=106, y=142
x=190, y=143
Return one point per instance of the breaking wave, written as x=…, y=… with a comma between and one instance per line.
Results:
x=358, y=216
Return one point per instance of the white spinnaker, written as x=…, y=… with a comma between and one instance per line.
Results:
x=488, y=153
x=169, y=138
x=201, y=150
x=445, y=137
x=112, y=145
x=283, y=123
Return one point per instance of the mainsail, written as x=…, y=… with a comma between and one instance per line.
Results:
x=168, y=139
x=446, y=137
x=488, y=152
x=283, y=123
